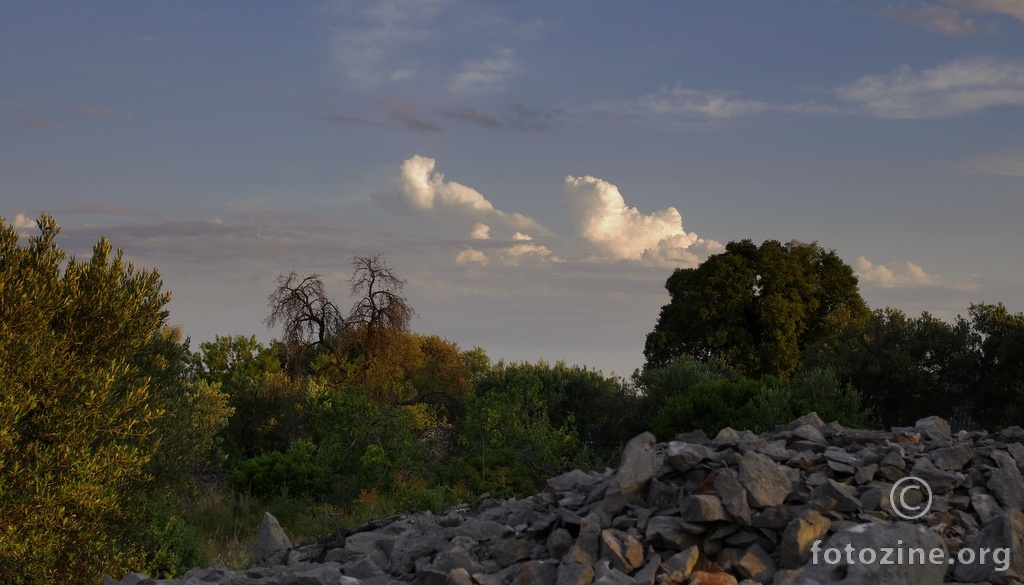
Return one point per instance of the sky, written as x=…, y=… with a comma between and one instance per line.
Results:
x=534, y=170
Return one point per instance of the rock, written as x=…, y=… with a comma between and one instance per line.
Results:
x=933, y=427
x=800, y=534
x=704, y=578
x=575, y=574
x=270, y=539
x=1006, y=483
x=852, y=556
x=742, y=507
x=1003, y=538
x=765, y=483
x=639, y=464
x=756, y=564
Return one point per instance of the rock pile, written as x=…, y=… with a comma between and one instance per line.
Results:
x=797, y=506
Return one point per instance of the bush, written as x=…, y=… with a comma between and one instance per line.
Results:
x=78, y=421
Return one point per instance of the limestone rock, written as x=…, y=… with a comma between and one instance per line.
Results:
x=270, y=538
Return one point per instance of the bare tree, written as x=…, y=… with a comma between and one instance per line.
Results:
x=381, y=309
x=309, y=317
x=311, y=320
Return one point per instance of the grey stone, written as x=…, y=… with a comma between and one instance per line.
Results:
x=1006, y=483
x=558, y=543
x=685, y=456
x=575, y=574
x=933, y=427
x=639, y=464
x=799, y=535
x=843, y=495
x=756, y=564
x=875, y=538
x=702, y=508
x=952, y=458
x=1004, y=539
x=765, y=483
x=270, y=538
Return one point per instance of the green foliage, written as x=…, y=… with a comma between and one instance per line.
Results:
x=293, y=474
x=709, y=406
x=171, y=546
x=758, y=405
x=756, y=308
x=593, y=403
x=906, y=368
x=195, y=411
x=656, y=385
x=508, y=442
x=998, y=399
x=77, y=418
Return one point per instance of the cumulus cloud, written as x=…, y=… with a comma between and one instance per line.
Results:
x=426, y=190
x=481, y=231
x=526, y=250
x=487, y=75
x=617, y=231
x=947, y=21
x=606, y=229
x=895, y=274
x=22, y=222
x=951, y=89
x=471, y=256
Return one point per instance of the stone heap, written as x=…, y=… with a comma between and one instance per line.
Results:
x=736, y=509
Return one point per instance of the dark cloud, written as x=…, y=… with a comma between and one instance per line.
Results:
x=350, y=121
x=536, y=119
x=404, y=114
x=471, y=116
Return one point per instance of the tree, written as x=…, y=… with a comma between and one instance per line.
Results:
x=756, y=308
x=906, y=368
x=314, y=325
x=999, y=399
x=77, y=417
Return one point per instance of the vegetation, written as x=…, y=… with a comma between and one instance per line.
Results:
x=122, y=449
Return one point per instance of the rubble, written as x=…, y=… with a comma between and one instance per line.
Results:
x=739, y=508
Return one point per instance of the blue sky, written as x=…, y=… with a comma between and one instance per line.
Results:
x=535, y=170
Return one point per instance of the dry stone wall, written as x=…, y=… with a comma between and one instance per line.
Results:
x=738, y=508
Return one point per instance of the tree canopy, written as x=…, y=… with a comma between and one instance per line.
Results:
x=78, y=415
x=756, y=307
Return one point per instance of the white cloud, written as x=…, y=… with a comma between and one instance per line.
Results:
x=486, y=75
x=606, y=229
x=617, y=231
x=471, y=256
x=481, y=231
x=945, y=21
x=366, y=47
x=951, y=89
x=894, y=275
x=527, y=250
x=21, y=222
x=677, y=105
x=1013, y=8
x=426, y=190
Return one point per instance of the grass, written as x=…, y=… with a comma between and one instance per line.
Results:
x=226, y=522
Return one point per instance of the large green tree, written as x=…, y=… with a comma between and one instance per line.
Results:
x=77, y=416
x=756, y=307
